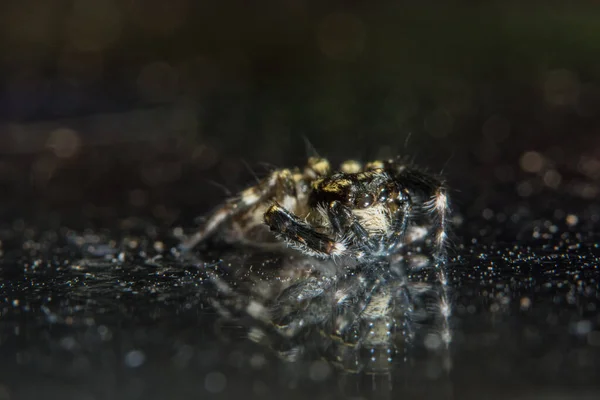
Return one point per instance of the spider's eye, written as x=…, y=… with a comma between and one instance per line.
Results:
x=364, y=200
x=384, y=194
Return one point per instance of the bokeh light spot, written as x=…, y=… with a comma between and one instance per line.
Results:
x=319, y=371
x=135, y=358
x=590, y=167
x=552, y=178
x=532, y=161
x=215, y=382
x=64, y=142
x=572, y=220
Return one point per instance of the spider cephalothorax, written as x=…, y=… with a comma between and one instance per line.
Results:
x=363, y=212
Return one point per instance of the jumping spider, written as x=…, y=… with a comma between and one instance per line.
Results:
x=365, y=213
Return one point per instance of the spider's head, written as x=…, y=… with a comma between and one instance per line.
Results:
x=372, y=196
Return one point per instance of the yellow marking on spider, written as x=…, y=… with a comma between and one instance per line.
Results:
x=351, y=167
x=374, y=165
x=319, y=165
x=316, y=183
x=269, y=213
x=368, y=175
x=285, y=173
x=250, y=196
x=337, y=185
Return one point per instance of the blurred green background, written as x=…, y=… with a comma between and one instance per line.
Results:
x=123, y=107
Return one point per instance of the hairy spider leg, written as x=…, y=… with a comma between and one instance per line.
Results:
x=436, y=206
x=280, y=183
x=400, y=223
x=311, y=299
x=301, y=235
x=341, y=218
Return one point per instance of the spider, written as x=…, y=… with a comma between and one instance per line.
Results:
x=360, y=212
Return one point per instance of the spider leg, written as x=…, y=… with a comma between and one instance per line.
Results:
x=301, y=235
x=342, y=219
x=280, y=184
x=400, y=224
x=436, y=205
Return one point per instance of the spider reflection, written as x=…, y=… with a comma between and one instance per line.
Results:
x=366, y=320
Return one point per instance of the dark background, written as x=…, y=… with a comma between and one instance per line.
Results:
x=156, y=109
x=134, y=106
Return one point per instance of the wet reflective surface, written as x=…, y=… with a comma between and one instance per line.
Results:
x=121, y=314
